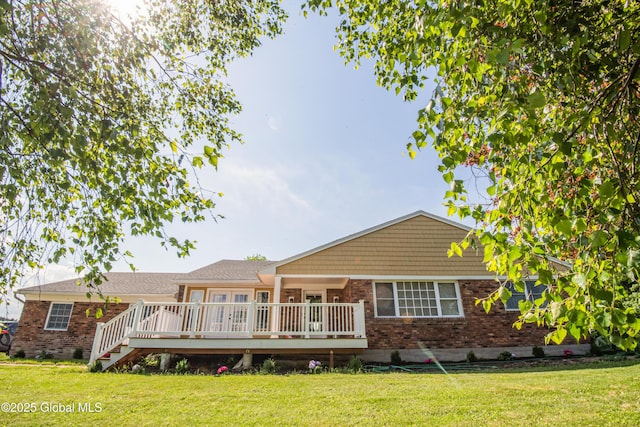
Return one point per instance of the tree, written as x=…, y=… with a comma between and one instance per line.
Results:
x=540, y=101
x=103, y=119
x=256, y=257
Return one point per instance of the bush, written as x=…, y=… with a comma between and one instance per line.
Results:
x=96, y=366
x=538, y=352
x=395, y=358
x=182, y=367
x=20, y=354
x=151, y=360
x=355, y=364
x=471, y=357
x=268, y=366
x=505, y=355
x=44, y=355
x=77, y=354
x=600, y=345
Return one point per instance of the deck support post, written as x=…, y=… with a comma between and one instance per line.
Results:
x=165, y=358
x=331, y=361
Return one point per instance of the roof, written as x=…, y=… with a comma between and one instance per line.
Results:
x=227, y=269
x=127, y=283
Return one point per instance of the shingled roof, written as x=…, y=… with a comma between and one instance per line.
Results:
x=229, y=270
x=130, y=283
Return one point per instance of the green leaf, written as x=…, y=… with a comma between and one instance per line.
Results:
x=455, y=249
x=598, y=238
x=606, y=190
x=559, y=335
x=536, y=100
x=564, y=227
x=624, y=41
x=197, y=161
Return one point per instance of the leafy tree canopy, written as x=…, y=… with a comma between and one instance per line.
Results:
x=256, y=257
x=102, y=119
x=540, y=99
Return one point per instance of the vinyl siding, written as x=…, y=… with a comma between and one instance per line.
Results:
x=416, y=246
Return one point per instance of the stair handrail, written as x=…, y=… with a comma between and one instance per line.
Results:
x=116, y=331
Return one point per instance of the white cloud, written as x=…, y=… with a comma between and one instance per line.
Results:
x=274, y=122
x=259, y=189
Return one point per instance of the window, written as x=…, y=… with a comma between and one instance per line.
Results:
x=531, y=292
x=417, y=299
x=59, y=315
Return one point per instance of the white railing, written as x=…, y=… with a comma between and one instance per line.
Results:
x=230, y=320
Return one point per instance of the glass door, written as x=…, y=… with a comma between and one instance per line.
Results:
x=195, y=295
x=316, y=318
x=227, y=318
x=217, y=315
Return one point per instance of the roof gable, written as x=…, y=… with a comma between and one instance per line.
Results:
x=412, y=245
x=228, y=270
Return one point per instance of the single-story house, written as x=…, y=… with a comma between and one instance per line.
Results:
x=390, y=287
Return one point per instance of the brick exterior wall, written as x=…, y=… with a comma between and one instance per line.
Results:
x=33, y=338
x=475, y=329
x=295, y=293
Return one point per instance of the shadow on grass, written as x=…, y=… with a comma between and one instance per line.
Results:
x=523, y=365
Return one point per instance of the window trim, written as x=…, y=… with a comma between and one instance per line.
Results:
x=46, y=323
x=396, y=302
x=526, y=295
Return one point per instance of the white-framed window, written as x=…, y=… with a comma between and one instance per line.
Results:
x=530, y=292
x=59, y=316
x=417, y=298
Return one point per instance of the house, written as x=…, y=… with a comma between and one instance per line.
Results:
x=390, y=287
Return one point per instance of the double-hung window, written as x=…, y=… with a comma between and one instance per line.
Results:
x=417, y=299
x=59, y=316
x=530, y=292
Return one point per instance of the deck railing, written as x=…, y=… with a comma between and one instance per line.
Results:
x=230, y=320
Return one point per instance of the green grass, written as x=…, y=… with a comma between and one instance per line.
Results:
x=586, y=395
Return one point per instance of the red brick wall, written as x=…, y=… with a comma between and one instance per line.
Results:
x=475, y=329
x=33, y=338
x=331, y=293
x=295, y=293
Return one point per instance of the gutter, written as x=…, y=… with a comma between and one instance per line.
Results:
x=15, y=295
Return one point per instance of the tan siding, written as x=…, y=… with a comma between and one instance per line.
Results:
x=417, y=246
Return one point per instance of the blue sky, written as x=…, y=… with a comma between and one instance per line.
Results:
x=324, y=157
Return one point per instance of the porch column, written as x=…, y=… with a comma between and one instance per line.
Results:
x=275, y=315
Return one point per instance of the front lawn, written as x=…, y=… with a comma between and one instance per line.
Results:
x=596, y=394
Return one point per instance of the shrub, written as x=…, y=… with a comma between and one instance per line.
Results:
x=505, y=355
x=600, y=345
x=44, y=355
x=19, y=354
x=77, y=353
x=182, y=367
x=471, y=357
x=268, y=366
x=315, y=366
x=355, y=364
x=151, y=360
x=395, y=358
x=538, y=352
x=138, y=369
x=96, y=366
